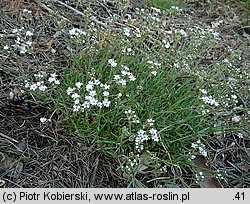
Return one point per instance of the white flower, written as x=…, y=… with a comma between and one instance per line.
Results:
x=33, y=87
x=151, y=121
x=23, y=49
x=236, y=119
x=128, y=111
x=167, y=45
x=129, y=49
x=126, y=32
x=106, y=93
x=76, y=32
x=123, y=82
x=157, y=64
x=15, y=30
x=154, y=72
x=154, y=134
x=99, y=104
x=234, y=96
x=138, y=33
x=89, y=86
x=70, y=90
x=124, y=72
x=27, y=85
x=112, y=62
x=72, y=31
x=142, y=135
x=6, y=47
x=27, y=11
x=76, y=108
x=106, y=87
x=78, y=85
x=92, y=93
x=93, y=101
x=117, y=77
x=57, y=81
x=240, y=135
x=29, y=43
x=203, y=91
x=194, y=145
x=182, y=32
x=29, y=33
x=54, y=75
x=75, y=95
x=97, y=82
x=43, y=88
x=39, y=83
x=43, y=120
x=51, y=79
x=86, y=104
x=135, y=120
x=39, y=75
x=124, y=67
x=77, y=101
x=131, y=77
x=106, y=102
x=209, y=100
x=193, y=157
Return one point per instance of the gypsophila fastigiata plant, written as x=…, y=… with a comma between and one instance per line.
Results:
x=141, y=93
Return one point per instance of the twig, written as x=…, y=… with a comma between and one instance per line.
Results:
x=50, y=10
x=8, y=138
x=80, y=13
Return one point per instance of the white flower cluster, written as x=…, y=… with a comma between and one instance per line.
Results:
x=44, y=120
x=163, y=169
x=132, y=116
x=166, y=43
x=191, y=156
x=124, y=76
x=112, y=63
x=154, y=66
x=76, y=33
x=198, y=145
x=127, y=31
x=91, y=98
x=41, y=81
x=143, y=136
x=53, y=79
x=23, y=40
x=132, y=164
x=137, y=33
x=202, y=33
x=208, y=99
x=140, y=138
x=27, y=11
x=199, y=177
x=128, y=51
x=229, y=100
x=181, y=32
x=220, y=174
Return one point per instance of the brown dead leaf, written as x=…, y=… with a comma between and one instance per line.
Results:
x=207, y=182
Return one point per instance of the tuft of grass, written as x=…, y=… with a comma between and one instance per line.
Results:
x=164, y=4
